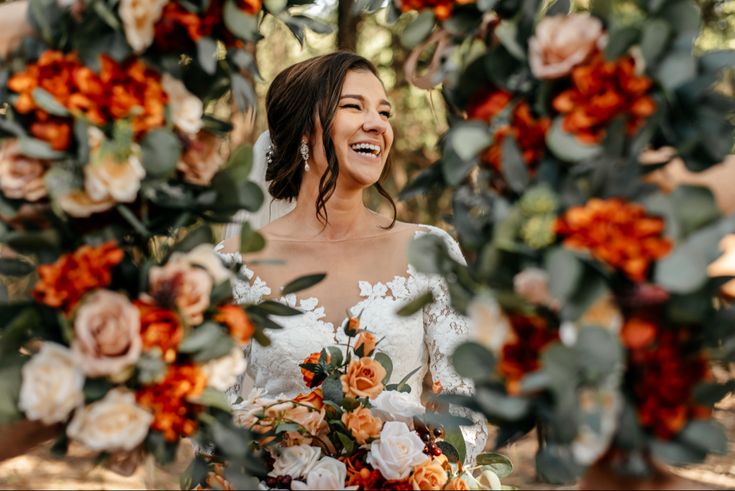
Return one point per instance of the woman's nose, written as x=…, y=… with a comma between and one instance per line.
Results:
x=374, y=121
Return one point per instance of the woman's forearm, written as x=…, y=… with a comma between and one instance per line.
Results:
x=14, y=26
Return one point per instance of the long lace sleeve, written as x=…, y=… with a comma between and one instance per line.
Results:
x=444, y=330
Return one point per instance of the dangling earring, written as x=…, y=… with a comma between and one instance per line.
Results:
x=305, y=155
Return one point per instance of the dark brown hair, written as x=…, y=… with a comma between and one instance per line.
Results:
x=298, y=97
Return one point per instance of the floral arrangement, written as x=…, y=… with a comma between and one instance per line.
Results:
x=592, y=284
x=112, y=171
x=353, y=429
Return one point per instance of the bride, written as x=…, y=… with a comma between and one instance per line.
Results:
x=329, y=121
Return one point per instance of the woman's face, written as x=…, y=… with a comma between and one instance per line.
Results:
x=361, y=132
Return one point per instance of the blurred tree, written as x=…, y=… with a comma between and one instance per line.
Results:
x=347, y=25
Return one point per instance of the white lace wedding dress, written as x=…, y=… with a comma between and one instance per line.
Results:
x=425, y=339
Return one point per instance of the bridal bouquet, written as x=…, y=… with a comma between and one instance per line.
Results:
x=353, y=429
x=601, y=305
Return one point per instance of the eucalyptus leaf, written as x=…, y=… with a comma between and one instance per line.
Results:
x=386, y=362
x=207, y=54
x=567, y=147
x=455, y=438
x=10, y=381
x=619, y=40
x=498, y=463
x=196, y=237
x=675, y=452
x=239, y=23
x=564, y=272
x=706, y=435
x=15, y=267
x=514, y=166
x=448, y=451
x=469, y=138
x=416, y=304
x=472, y=360
x=676, y=68
x=332, y=390
x=555, y=464
x=250, y=240
x=656, y=34
x=501, y=406
x=39, y=149
x=418, y=30
x=48, y=103
x=695, y=207
x=302, y=283
x=277, y=308
x=201, y=337
x=161, y=152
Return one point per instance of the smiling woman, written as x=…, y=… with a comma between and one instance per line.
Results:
x=329, y=120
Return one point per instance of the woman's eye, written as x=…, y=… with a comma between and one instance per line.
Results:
x=351, y=106
x=387, y=114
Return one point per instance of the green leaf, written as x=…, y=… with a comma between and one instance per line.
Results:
x=428, y=254
x=469, y=138
x=200, y=337
x=207, y=55
x=555, y=464
x=213, y=398
x=332, y=390
x=656, y=34
x=514, y=166
x=336, y=357
x=239, y=23
x=619, y=40
x=705, y=435
x=566, y=146
x=472, y=360
x=418, y=30
x=710, y=394
x=454, y=437
x=250, y=240
x=15, y=267
x=386, y=362
x=96, y=388
x=161, y=152
x=500, y=406
x=277, y=308
x=498, y=463
x=449, y=451
x=151, y=367
x=231, y=441
x=275, y=6
x=302, y=283
x=347, y=442
x=416, y=304
x=713, y=61
x=695, y=207
x=10, y=381
x=107, y=15
x=48, y=103
x=676, y=68
x=133, y=220
x=163, y=451
x=198, y=236
x=39, y=149
x=599, y=353
x=675, y=453
x=564, y=270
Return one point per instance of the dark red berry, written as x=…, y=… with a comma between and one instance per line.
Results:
x=271, y=481
x=436, y=451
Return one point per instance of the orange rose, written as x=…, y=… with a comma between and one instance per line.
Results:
x=362, y=424
x=365, y=344
x=308, y=374
x=237, y=321
x=353, y=325
x=363, y=378
x=456, y=483
x=429, y=475
x=160, y=328
x=315, y=399
x=64, y=282
x=311, y=421
x=638, y=333
x=250, y=7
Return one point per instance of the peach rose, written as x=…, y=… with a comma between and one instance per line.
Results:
x=79, y=204
x=312, y=421
x=533, y=285
x=365, y=344
x=186, y=108
x=362, y=424
x=363, y=378
x=457, y=484
x=202, y=159
x=139, y=17
x=179, y=284
x=429, y=474
x=21, y=177
x=107, y=177
x=562, y=42
x=114, y=423
x=106, y=333
x=315, y=399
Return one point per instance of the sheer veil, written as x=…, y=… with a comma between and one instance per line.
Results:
x=271, y=209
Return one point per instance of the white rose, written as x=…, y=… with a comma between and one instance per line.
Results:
x=79, y=204
x=114, y=423
x=397, y=451
x=295, y=461
x=52, y=385
x=328, y=473
x=397, y=406
x=222, y=372
x=139, y=17
x=486, y=480
x=204, y=256
x=186, y=108
x=107, y=178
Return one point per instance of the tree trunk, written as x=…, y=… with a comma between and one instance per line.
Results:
x=347, y=24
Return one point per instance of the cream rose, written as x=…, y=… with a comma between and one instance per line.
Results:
x=363, y=378
x=139, y=18
x=186, y=108
x=533, y=285
x=80, y=205
x=51, y=385
x=222, y=372
x=204, y=256
x=362, y=424
x=187, y=286
x=311, y=421
x=295, y=461
x=397, y=406
x=329, y=473
x=21, y=177
x=397, y=452
x=202, y=159
x=114, y=423
x=562, y=42
x=106, y=178
x=106, y=333
x=430, y=474
x=457, y=484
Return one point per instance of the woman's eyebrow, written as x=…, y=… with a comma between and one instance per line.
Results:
x=362, y=99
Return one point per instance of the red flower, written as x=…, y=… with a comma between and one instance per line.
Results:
x=160, y=328
x=442, y=8
x=531, y=335
x=237, y=321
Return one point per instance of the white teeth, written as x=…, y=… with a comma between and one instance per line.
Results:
x=375, y=149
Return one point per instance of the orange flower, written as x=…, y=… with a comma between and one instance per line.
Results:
x=442, y=8
x=457, y=484
x=237, y=321
x=521, y=355
x=64, y=282
x=250, y=7
x=362, y=424
x=365, y=344
x=616, y=232
x=173, y=414
x=315, y=399
x=528, y=131
x=638, y=333
x=359, y=474
x=363, y=378
x=429, y=475
x=308, y=374
x=601, y=91
x=160, y=328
